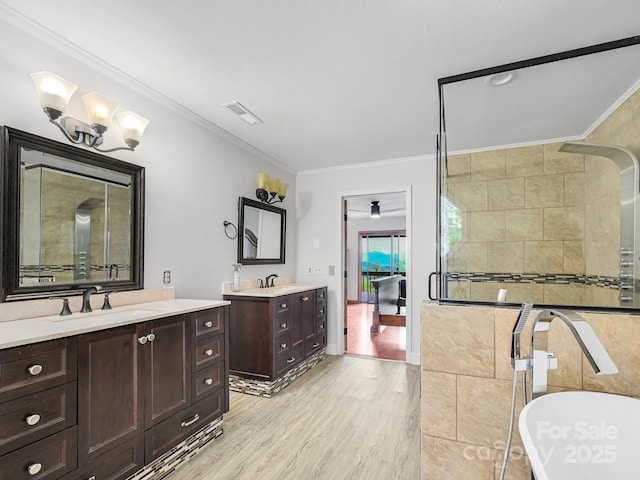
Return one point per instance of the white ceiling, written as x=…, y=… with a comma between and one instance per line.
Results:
x=336, y=82
x=391, y=205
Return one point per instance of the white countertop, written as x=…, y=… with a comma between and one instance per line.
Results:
x=276, y=291
x=39, y=329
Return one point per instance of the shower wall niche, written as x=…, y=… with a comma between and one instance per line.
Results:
x=73, y=228
x=542, y=223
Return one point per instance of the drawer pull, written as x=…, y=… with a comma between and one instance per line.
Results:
x=283, y=305
x=305, y=299
x=151, y=337
x=291, y=360
x=283, y=325
x=142, y=340
x=208, y=324
x=208, y=353
x=195, y=418
x=33, y=419
x=34, y=468
x=322, y=310
x=35, y=369
x=315, y=345
x=92, y=477
x=283, y=345
x=208, y=381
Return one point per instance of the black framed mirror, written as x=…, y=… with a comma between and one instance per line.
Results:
x=261, y=233
x=70, y=218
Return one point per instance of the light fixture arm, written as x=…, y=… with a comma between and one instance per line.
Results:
x=263, y=196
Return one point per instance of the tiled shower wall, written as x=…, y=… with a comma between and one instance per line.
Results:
x=467, y=382
x=534, y=210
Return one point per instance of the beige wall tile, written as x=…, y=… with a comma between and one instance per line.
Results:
x=487, y=226
x=602, y=258
x=565, y=223
x=518, y=467
x=458, y=168
x=525, y=224
x=471, y=196
x=485, y=291
x=488, y=165
x=544, y=191
x=439, y=404
x=505, y=257
x=525, y=161
x=458, y=340
x=569, y=354
x=459, y=290
x=543, y=257
x=525, y=292
x=484, y=407
x=448, y=460
x=574, y=189
x=506, y=194
x=574, y=257
x=561, y=162
x=468, y=257
x=564, y=294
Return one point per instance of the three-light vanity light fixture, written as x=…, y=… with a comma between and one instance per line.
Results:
x=268, y=188
x=55, y=93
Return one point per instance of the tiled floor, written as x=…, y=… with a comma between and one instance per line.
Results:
x=389, y=344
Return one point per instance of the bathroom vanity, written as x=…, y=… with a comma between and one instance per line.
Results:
x=275, y=335
x=106, y=394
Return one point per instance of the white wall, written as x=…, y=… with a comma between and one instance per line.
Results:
x=366, y=224
x=319, y=206
x=193, y=176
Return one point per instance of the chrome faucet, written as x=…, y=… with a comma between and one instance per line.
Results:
x=270, y=277
x=86, y=297
x=543, y=360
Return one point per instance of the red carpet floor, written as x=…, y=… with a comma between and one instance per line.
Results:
x=389, y=344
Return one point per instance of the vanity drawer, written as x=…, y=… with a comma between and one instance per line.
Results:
x=314, y=344
x=207, y=323
x=207, y=352
x=173, y=430
x=321, y=296
x=285, y=362
x=27, y=419
x=31, y=368
x=283, y=344
x=282, y=324
x=321, y=309
x=47, y=459
x=120, y=462
x=321, y=325
x=282, y=305
x=207, y=380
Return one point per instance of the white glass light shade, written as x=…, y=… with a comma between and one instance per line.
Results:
x=54, y=91
x=132, y=125
x=100, y=109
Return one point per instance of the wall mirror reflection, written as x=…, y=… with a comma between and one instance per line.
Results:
x=71, y=218
x=262, y=233
x=539, y=180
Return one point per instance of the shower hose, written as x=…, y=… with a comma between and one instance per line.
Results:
x=512, y=416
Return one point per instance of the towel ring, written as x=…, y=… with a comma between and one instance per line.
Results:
x=226, y=230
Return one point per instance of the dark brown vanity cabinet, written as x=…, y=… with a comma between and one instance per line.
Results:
x=141, y=390
x=270, y=335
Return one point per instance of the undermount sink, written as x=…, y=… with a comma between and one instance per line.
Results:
x=582, y=435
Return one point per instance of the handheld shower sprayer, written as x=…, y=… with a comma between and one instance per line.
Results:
x=518, y=328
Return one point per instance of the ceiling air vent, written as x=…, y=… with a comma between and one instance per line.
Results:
x=242, y=112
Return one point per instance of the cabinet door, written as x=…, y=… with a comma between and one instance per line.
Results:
x=305, y=312
x=167, y=378
x=110, y=402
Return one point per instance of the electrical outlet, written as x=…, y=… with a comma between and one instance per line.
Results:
x=166, y=276
x=319, y=270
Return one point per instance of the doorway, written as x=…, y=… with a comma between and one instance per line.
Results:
x=374, y=248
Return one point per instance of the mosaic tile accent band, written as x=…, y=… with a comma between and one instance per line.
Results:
x=180, y=454
x=266, y=389
x=553, y=278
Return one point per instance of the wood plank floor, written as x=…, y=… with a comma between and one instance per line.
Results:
x=389, y=344
x=347, y=418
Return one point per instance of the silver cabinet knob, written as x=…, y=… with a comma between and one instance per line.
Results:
x=35, y=369
x=33, y=419
x=283, y=345
x=283, y=325
x=142, y=340
x=208, y=381
x=208, y=324
x=151, y=337
x=283, y=305
x=305, y=299
x=34, y=468
x=208, y=353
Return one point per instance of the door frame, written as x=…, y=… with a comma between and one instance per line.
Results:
x=341, y=260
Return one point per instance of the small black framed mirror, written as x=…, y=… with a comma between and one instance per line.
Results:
x=261, y=233
x=70, y=218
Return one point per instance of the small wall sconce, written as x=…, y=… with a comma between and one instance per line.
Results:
x=55, y=93
x=268, y=188
x=375, y=209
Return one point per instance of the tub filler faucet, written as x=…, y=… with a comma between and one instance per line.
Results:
x=543, y=360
